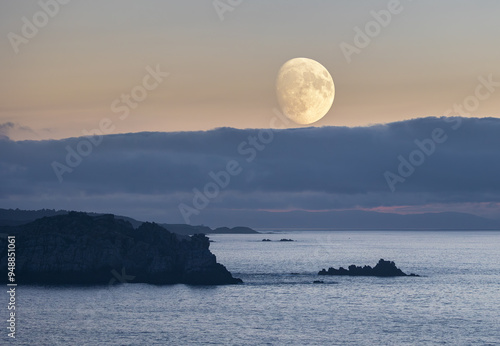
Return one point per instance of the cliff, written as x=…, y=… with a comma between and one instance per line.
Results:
x=80, y=249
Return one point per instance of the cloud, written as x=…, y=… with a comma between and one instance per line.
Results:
x=7, y=128
x=309, y=168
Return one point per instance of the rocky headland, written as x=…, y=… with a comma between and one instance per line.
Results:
x=76, y=248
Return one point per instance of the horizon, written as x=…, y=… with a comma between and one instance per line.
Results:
x=476, y=223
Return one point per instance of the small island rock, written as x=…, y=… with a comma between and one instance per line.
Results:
x=383, y=269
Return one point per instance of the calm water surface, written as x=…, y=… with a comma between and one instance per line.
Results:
x=455, y=302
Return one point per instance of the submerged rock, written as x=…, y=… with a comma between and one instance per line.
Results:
x=284, y=239
x=80, y=249
x=383, y=268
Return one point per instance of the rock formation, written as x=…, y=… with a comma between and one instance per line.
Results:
x=80, y=249
x=383, y=268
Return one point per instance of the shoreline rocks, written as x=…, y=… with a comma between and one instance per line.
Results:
x=282, y=240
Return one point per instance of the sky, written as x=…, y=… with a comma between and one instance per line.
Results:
x=222, y=61
x=178, y=103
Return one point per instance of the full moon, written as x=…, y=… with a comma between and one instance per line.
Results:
x=305, y=90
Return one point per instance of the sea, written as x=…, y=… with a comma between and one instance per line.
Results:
x=455, y=301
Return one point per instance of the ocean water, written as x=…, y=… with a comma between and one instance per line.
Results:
x=455, y=302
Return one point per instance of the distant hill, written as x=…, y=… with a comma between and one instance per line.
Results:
x=234, y=230
x=16, y=217
x=188, y=229
x=354, y=219
x=370, y=219
x=351, y=219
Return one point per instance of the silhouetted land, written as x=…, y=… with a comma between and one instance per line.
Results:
x=76, y=248
x=383, y=268
x=16, y=217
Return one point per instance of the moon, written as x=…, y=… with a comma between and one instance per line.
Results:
x=305, y=90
